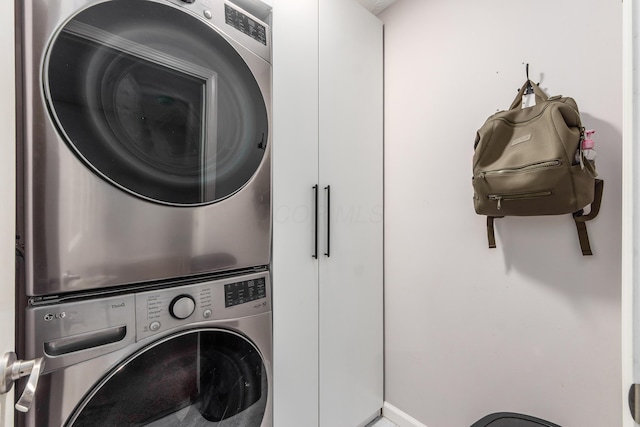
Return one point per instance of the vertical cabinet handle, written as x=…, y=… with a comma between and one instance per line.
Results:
x=328, y=188
x=315, y=241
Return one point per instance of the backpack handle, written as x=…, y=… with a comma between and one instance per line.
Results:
x=539, y=93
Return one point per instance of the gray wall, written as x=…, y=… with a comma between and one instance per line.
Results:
x=531, y=326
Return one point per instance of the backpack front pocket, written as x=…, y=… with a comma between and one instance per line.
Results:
x=532, y=167
x=499, y=198
x=530, y=189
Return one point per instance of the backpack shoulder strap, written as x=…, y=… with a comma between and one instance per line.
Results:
x=491, y=236
x=581, y=219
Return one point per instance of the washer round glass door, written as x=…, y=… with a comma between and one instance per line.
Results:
x=156, y=102
x=200, y=378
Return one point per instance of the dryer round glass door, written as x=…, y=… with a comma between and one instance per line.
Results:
x=156, y=102
x=199, y=378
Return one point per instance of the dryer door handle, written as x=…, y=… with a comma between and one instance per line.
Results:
x=12, y=369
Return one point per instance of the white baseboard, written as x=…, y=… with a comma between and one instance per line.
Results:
x=398, y=417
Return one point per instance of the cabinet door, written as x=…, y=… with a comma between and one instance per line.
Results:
x=295, y=172
x=351, y=165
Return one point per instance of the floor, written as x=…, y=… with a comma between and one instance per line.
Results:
x=381, y=422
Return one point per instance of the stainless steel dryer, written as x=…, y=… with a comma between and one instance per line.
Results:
x=192, y=355
x=146, y=139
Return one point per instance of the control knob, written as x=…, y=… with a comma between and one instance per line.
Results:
x=182, y=306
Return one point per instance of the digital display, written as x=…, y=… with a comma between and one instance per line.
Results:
x=246, y=291
x=243, y=23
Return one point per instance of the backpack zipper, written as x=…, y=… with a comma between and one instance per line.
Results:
x=582, y=129
x=521, y=169
x=553, y=98
x=500, y=197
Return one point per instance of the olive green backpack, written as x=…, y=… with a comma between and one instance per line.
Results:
x=529, y=161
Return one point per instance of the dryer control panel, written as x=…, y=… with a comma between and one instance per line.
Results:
x=164, y=309
x=246, y=24
x=236, y=21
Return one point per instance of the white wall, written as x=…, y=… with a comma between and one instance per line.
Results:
x=532, y=326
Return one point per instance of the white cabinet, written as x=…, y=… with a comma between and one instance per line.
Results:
x=328, y=325
x=350, y=159
x=295, y=172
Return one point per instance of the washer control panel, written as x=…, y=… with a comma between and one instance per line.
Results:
x=163, y=309
x=245, y=291
x=72, y=332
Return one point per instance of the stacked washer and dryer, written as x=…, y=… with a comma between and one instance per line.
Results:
x=144, y=213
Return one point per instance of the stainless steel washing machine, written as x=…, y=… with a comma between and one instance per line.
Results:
x=196, y=354
x=145, y=140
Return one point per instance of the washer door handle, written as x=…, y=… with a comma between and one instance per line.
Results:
x=11, y=369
